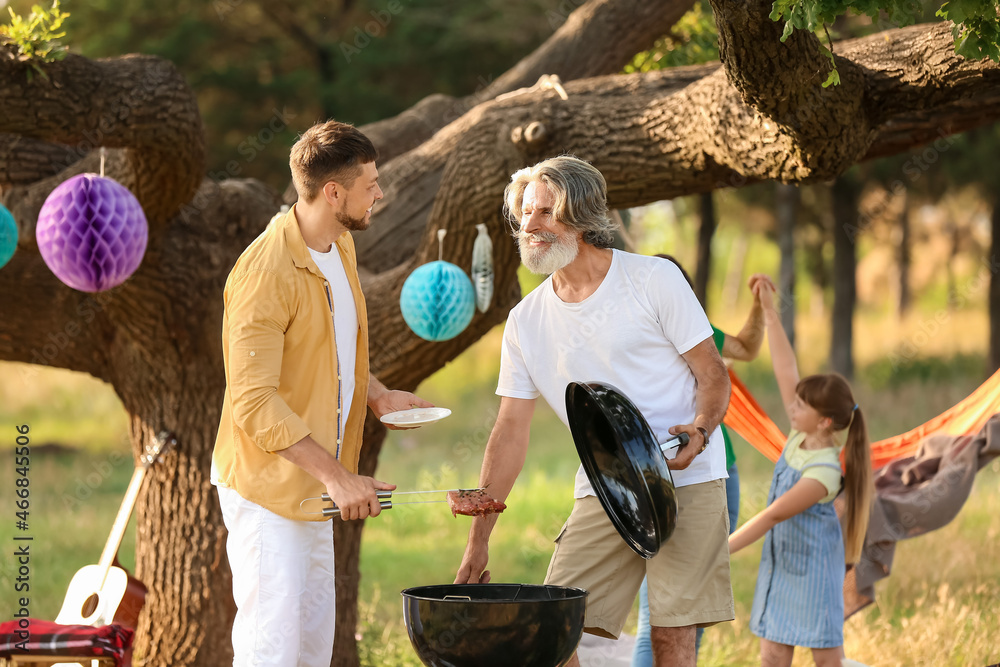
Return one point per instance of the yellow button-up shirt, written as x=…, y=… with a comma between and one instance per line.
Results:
x=282, y=371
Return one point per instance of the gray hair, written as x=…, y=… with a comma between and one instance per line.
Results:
x=581, y=195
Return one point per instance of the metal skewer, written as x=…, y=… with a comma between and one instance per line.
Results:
x=389, y=493
x=385, y=500
x=384, y=504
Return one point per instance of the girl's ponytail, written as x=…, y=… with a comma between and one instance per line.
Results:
x=858, y=486
x=831, y=396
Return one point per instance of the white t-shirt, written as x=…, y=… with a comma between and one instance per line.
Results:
x=630, y=333
x=345, y=323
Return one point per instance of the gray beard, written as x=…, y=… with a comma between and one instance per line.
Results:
x=546, y=261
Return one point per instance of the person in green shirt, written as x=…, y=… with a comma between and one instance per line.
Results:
x=743, y=347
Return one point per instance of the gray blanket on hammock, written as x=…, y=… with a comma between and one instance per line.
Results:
x=915, y=495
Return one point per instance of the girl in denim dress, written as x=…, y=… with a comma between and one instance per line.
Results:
x=799, y=600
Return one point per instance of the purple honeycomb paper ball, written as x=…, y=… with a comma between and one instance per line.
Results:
x=92, y=233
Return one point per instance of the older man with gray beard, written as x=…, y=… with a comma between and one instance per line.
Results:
x=632, y=322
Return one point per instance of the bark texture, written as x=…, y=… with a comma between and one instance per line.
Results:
x=759, y=115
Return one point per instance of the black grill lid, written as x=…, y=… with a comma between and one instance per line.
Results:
x=624, y=463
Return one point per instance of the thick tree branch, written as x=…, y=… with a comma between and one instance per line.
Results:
x=767, y=73
x=68, y=329
x=781, y=81
x=24, y=160
x=600, y=37
x=65, y=328
x=656, y=138
x=412, y=181
x=138, y=103
x=918, y=89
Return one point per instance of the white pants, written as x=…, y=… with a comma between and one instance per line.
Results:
x=283, y=584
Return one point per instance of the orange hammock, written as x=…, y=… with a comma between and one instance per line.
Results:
x=746, y=417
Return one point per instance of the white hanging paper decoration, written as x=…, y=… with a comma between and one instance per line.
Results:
x=482, y=269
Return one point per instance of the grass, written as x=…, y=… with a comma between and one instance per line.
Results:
x=62, y=408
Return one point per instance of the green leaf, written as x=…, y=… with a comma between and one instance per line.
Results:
x=833, y=79
x=38, y=37
x=976, y=28
x=953, y=11
x=693, y=40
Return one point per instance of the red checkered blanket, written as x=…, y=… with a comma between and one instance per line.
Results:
x=31, y=636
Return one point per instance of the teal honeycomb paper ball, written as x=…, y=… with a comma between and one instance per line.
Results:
x=438, y=301
x=8, y=236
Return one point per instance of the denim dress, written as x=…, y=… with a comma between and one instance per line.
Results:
x=799, y=598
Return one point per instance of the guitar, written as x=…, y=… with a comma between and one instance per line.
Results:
x=107, y=593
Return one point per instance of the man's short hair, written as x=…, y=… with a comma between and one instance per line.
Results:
x=329, y=151
x=581, y=195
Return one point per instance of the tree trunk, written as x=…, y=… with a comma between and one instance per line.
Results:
x=623, y=239
x=787, y=204
x=846, y=192
x=903, y=257
x=954, y=243
x=347, y=552
x=995, y=287
x=706, y=230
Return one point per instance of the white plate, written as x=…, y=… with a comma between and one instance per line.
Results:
x=415, y=416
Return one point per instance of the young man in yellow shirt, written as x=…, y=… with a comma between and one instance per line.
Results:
x=295, y=345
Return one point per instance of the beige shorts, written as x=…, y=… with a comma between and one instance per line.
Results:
x=688, y=579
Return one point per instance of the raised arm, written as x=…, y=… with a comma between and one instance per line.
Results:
x=502, y=463
x=745, y=346
x=803, y=495
x=786, y=369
